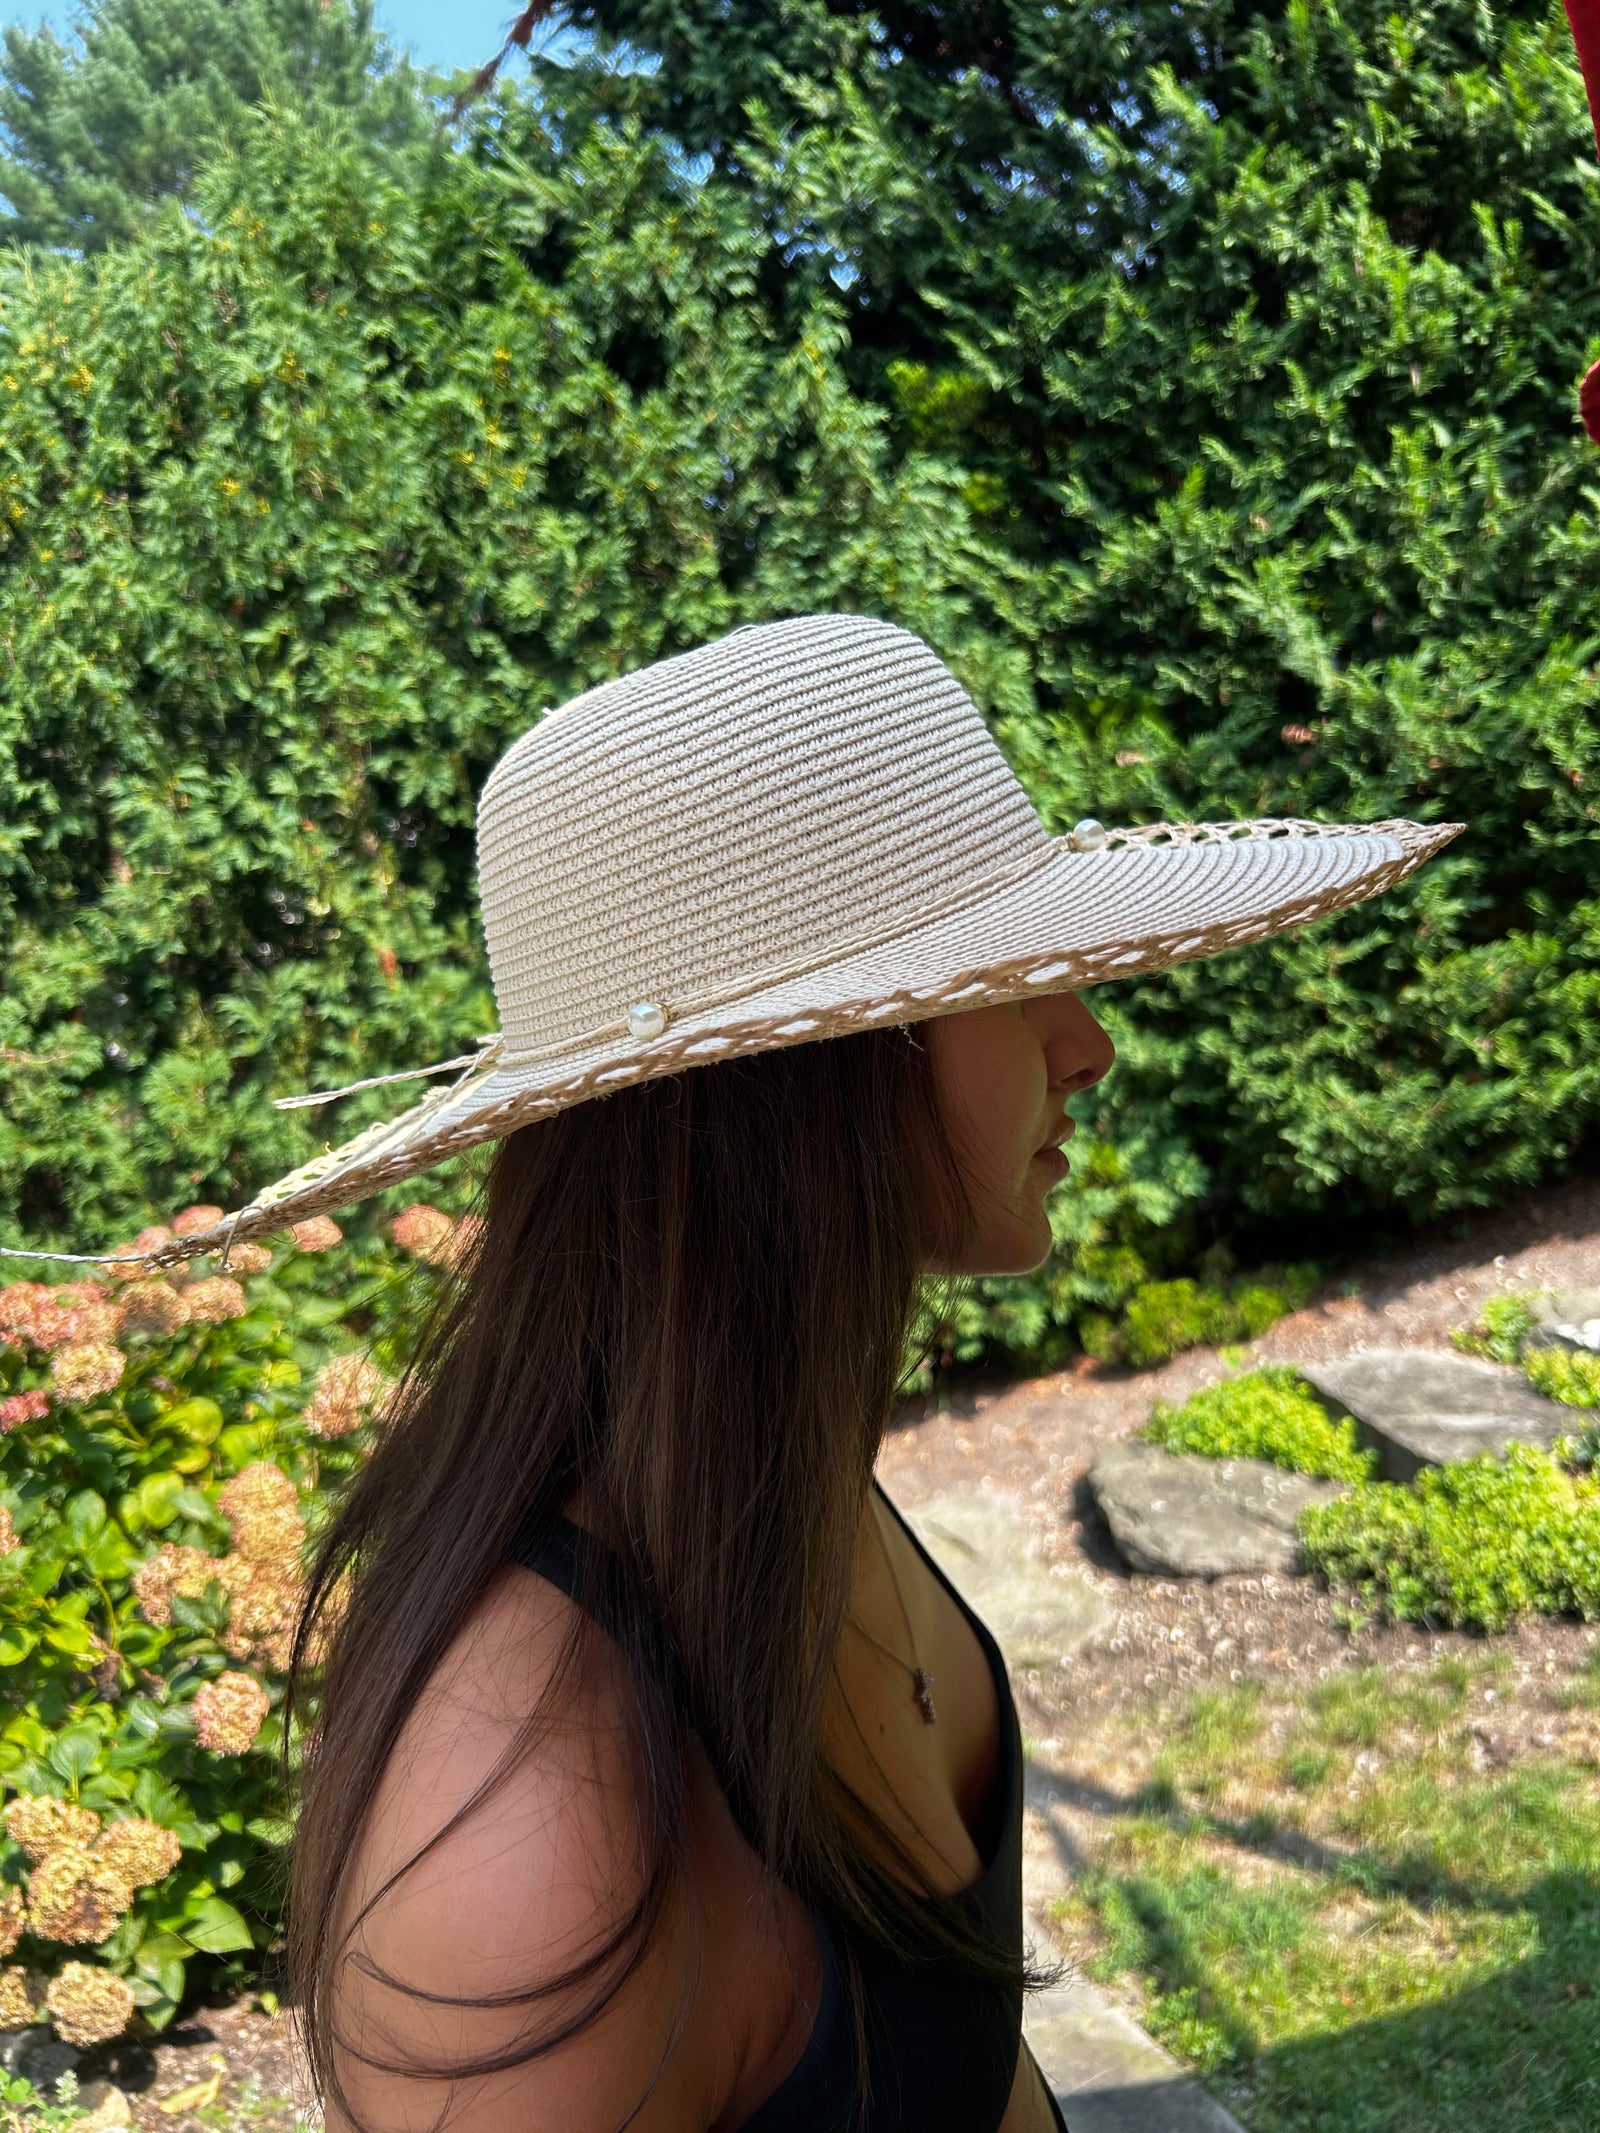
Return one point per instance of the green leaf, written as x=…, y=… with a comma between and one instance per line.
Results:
x=242, y=1442
x=275, y=1830
x=158, y=1496
x=16, y=1643
x=74, y=1752
x=84, y=1516
x=217, y=1927
x=198, y=1419
x=73, y=1638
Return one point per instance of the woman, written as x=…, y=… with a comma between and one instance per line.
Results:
x=658, y=1779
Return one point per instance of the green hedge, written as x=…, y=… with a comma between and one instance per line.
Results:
x=1251, y=484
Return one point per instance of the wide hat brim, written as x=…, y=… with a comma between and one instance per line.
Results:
x=1148, y=898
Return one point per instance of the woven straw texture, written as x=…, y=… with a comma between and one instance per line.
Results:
x=802, y=829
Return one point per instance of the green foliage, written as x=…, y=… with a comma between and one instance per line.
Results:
x=1473, y=1544
x=308, y=505
x=1204, y=395
x=1269, y=1413
x=166, y=1452
x=1569, y=1375
x=1164, y=1318
x=1566, y=1374
x=97, y=131
x=24, y=2110
x=1503, y=1324
x=1255, y=333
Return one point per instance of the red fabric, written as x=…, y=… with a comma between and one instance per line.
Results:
x=1584, y=15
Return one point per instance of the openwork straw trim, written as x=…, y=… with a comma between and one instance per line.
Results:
x=399, y=1148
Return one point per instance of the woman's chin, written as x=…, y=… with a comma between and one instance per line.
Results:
x=1019, y=1247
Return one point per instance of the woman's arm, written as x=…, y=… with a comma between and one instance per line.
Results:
x=536, y=1877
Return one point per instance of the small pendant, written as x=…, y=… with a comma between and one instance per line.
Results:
x=923, y=1691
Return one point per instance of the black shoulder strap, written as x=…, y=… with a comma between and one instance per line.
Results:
x=578, y=1563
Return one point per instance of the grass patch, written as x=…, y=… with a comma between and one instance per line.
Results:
x=1269, y=1414
x=1347, y=1927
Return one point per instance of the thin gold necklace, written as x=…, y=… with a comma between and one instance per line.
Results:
x=921, y=1679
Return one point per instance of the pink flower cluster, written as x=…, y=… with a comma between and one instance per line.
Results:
x=59, y=1315
x=22, y=1407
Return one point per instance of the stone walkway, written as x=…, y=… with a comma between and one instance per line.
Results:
x=1107, y=2075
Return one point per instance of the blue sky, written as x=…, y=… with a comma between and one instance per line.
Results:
x=440, y=33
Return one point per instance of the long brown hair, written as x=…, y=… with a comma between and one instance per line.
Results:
x=692, y=1299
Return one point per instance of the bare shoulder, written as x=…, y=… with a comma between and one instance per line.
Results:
x=533, y=1882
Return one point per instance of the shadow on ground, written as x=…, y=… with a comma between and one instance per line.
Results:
x=1515, y=2051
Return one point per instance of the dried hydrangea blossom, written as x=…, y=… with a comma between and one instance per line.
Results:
x=8, y=1536
x=214, y=1301
x=249, y=1258
x=174, y=1568
x=140, y=1852
x=88, y=2005
x=19, y=2009
x=152, y=1306
x=423, y=1231
x=318, y=1233
x=346, y=1388
x=58, y=1316
x=262, y=1613
x=228, y=1713
x=85, y=1372
x=75, y=1897
x=42, y=1824
x=19, y=1300
x=22, y=1407
x=12, y=1919
x=191, y=1219
x=262, y=1506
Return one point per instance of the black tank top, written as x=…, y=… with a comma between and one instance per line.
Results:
x=942, y=2046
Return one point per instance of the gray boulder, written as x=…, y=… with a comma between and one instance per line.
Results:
x=1417, y=1409
x=1571, y=1320
x=1176, y=1514
x=989, y=1551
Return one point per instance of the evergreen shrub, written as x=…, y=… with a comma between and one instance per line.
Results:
x=1270, y=1414
x=1199, y=384
x=1502, y=1325
x=1565, y=1374
x=167, y=1446
x=1470, y=1545
x=1163, y=1318
x=1501, y=1333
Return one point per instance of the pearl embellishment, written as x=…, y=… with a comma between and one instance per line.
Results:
x=646, y=1020
x=1087, y=835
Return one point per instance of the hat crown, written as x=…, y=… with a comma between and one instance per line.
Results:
x=733, y=809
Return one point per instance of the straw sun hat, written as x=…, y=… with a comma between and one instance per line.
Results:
x=799, y=830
